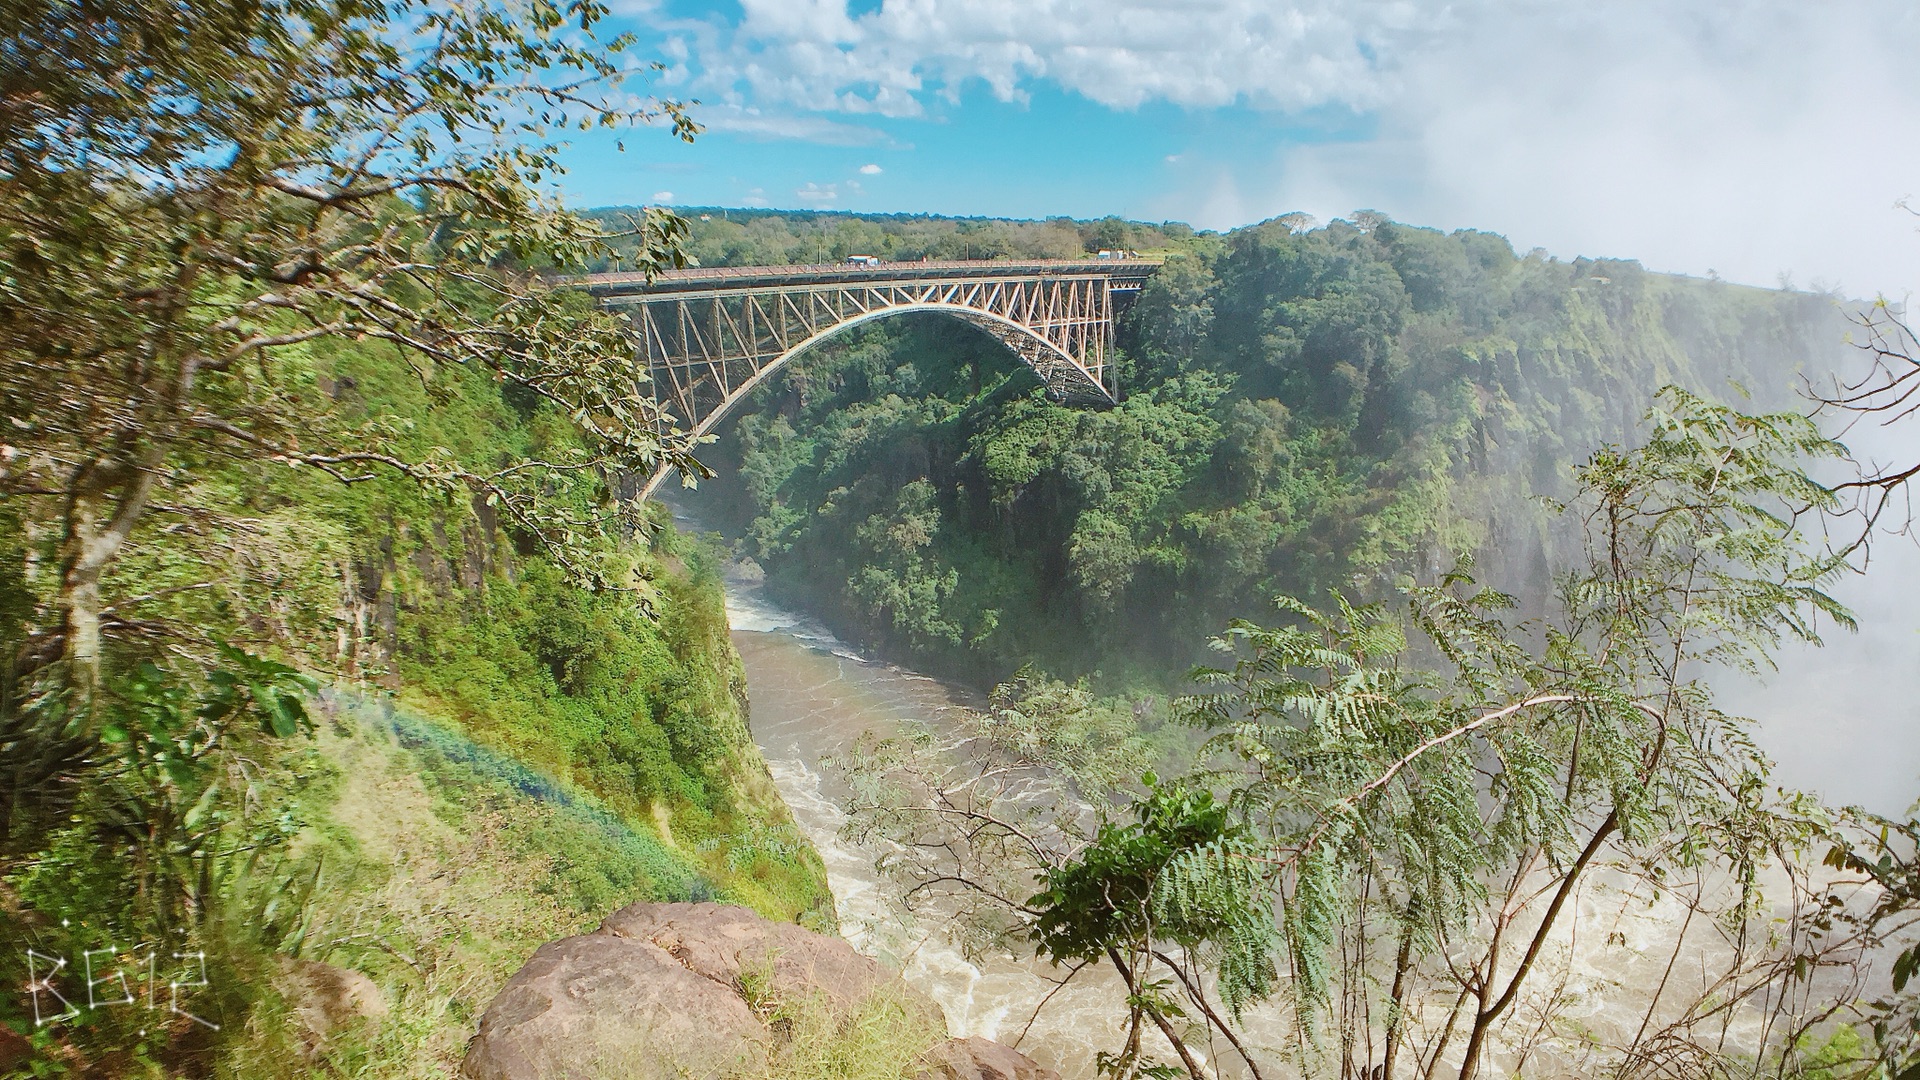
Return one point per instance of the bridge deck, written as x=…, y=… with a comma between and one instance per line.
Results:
x=1125, y=273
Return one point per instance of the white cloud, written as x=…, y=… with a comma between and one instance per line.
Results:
x=1751, y=139
x=812, y=54
x=756, y=123
x=661, y=197
x=870, y=170
x=1773, y=140
x=818, y=194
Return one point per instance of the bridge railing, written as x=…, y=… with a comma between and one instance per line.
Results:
x=700, y=277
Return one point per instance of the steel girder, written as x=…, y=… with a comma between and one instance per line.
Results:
x=706, y=346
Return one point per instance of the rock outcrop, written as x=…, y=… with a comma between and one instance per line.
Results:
x=696, y=992
x=586, y=1006
x=736, y=948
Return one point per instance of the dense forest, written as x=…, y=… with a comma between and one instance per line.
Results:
x=1427, y=827
x=1303, y=410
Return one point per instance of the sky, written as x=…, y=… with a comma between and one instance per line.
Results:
x=1762, y=141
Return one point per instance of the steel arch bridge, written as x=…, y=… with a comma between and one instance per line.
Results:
x=708, y=337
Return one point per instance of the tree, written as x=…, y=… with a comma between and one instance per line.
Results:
x=208, y=214
x=1000, y=845
x=1395, y=839
x=1174, y=313
x=1457, y=813
x=1877, y=507
x=1108, y=234
x=195, y=200
x=1887, y=395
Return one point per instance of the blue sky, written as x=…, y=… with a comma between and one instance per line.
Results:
x=1054, y=153
x=1757, y=140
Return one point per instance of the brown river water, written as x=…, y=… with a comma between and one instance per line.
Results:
x=812, y=696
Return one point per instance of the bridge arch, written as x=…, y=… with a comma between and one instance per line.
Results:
x=709, y=337
x=1027, y=345
x=1032, y=349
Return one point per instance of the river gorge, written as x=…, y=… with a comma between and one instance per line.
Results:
x=812, y=695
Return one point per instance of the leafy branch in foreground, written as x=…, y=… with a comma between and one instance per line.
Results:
x=197, y=201
x=1429, y=853
x=247, y=251
x=1452, y=820
x=1009, y=842
x=1884, y=393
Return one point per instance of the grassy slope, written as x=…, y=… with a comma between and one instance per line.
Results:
x=633, y=699
x=541, y=756
x=511, y=758
x=445, y=866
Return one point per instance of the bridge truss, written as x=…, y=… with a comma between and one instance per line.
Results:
x=708, y=337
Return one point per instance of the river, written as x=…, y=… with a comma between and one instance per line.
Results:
x=812, y=696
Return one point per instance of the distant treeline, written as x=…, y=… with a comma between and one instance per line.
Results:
x=1304, y=409
x=730, y=237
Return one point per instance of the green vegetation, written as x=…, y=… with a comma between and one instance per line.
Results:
x=1409, y=798
x=438, y=867
x=325, y=636
x=1404, y=826
x=547, y=753
x=332, y=655
x=1304, y=410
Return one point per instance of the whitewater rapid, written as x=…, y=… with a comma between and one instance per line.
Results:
x=812, y=695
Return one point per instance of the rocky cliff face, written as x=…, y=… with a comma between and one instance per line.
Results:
x=711, y=991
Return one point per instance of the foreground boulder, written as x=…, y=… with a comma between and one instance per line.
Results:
x=687, y=992
x=599, y=1005
x=766, y=960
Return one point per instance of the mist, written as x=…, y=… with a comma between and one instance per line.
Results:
x=1843, y=720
